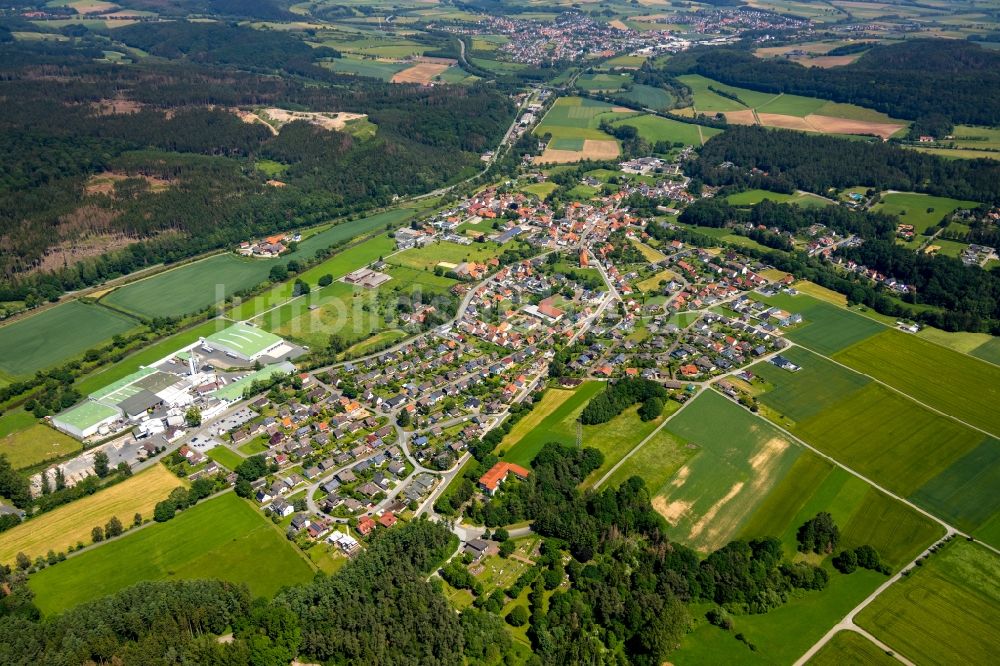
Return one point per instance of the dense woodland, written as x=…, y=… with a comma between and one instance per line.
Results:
x=56, y=133
x=784, y=160
x=911, y=80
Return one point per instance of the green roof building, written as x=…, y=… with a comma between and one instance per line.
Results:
x=246, y=342
x=85, y=419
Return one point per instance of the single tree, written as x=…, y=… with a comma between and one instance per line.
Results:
x=113, y=528
x=97, y=535
x=101, y=464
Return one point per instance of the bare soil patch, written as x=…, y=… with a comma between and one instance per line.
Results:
x=827, y=61
x=744, y=117
x=104, y=183
x=277, y=118
x=671, y=511
x=422, y=72
x=847, y=126
x=116, y=107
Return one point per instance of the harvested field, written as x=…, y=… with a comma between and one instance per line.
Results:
x=422, y=72
x=618, y=24
x=593, y=149
x=785, y=122
x=745, y=117
x=63, y=527
x=849, y=126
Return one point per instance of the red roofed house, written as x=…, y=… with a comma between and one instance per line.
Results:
x=365, y=525
x=387, y=519
x=498, y=474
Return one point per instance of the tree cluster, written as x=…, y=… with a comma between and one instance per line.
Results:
x=622, y=394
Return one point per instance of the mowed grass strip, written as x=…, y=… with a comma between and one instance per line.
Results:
x=888, y=438
x=57, y=334
x=825, y=329
x=522, y=444
x=819, y=384
x=953, y=383
x=739, y=459
x=64, y=527
x=849, y=648
x=224, y=538
x=35, y=445
x=944, y=612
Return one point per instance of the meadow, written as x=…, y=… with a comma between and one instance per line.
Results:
x=988, y=351
x=56, y=334
x=945, y=611
x=225, y=456
x=575, y=117
x=65, y=526
x=202, y=283
x=540, y=425
x=751, y=197
x=602, y=81
x=656, y=462
x=826, y=328
x=921, y=210
x=849, y=648
x=224, y=538
x=958, y=385
x=710, y=102
x=37, y=444
x=376, y=69
x=648, y=97
x=738, y=459
x=654, y=128
x=429, y=256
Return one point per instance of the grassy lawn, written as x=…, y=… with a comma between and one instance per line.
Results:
x=945, y=611
x=544, y=423
x=654, y=128
x=962, y=386
x=429, y=256
x=222, y=538
x=751, y=197
x=921, y=210
x=253, y=447
x=737, y=460
x=540, y=190
x=57, y=334
x=225, y=457
x=36, y=444
x=652, y=283
x=64, y=527
x=826, y=328
x=849, y=648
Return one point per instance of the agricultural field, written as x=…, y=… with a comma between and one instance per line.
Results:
x=988, y=351
x=654, y=128
x=576, y=120
x=541, y=425
x=37, y=444
x=923, y=211
x=751, y=197
x=202, y=283
x=609, y=81
x=377, y=69
x=849, y=648
x=825, y=328
x=55, y=335
x=710, y=102
x=962, y=386
x=964, y=493
x=429, y=256
x=210, y=540
x=648, y=97
x=945, y=611
x=656, y=462
x=64, y=527
x=540, y=190
x=738, y=458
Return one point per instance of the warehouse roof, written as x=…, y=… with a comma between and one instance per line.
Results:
x=86, y=415
x=243, y=339
x=114, y=387
x=234, y=391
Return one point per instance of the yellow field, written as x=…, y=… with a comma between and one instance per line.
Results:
x=773, y=274
x=63, y=527
x=652, y=255
x=652, y=283
x=822, y=293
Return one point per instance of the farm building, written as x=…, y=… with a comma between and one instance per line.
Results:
x=246, y=343
x=86, y=419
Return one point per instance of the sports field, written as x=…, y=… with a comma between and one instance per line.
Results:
x=849, y=648
x=224, y=538
x=35, y=445
x=825, y=329
x=654, y=128
x=55, y=335
x=738, y=459
x=945, y=611
x=953, y=383
x=64, y=527
x=200, y=284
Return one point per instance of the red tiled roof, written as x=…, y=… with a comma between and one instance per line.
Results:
x=499, y=472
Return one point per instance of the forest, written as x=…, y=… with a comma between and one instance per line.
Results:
x=784, y=160
x=56, y=134
x=912, y=79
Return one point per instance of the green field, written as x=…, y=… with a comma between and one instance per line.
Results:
x=540, y=190
x=803, y=394
x=945, y=612
x=738, y=459
x=654, y=128
x=57, y=334
x=648, y=97
x=707, y=101
x=956, y=384
x=225, y=457
x=792, y=105
x=971, y=137
x=543, y=423
x=35, y=445
x=602, y=81
x=751, y=197
x=965, y=493
x=657, y=461
x=377, y=69
x=825, y=328
x=988, y=351
x=849, y=648
x=202, y=283
x=223, y=538
x=429, y=256
x=921, y=210
x=567, y=143
x=575, y=118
